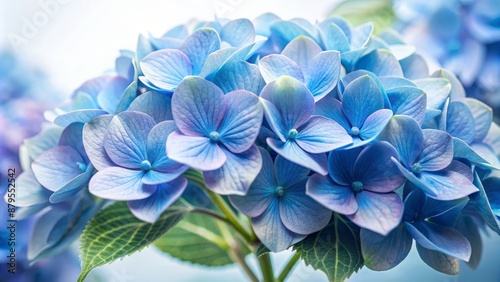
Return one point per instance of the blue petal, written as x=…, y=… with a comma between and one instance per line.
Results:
x=125, y=140
x=288, y=173
x=341, y=165
x=237, y=173
x=483, y=116
x=238, y=33
x=157, y=151
x=379, y=213
x=437, y=151
x=291, y=151
x=446, y=185
x=332, y=108
x=274, y=66
x=239, y=75
x=94, y=133
x=440, y=238
x=199, y=45
x=151, y=208
x=459, y=121
x=302, y=50
x=491, y=185
x=154, y=177
x=272, y=232
x=240, y=126
x=482, y=203
x=198, y=106
x=158, y=106
x=109, y=97
x=457, y=90
x=320, y=135
x=409, y=101
x=337, y=198
x=375, y=169
x=437, y=89
x=120, y=184
x=274, y=120
x=405, y=135
x=374, y=124
x=300, y=213
x=263, y=22
x=61, y=161
x=197, y=152
x=293, y=101
x=333, y=38
x=414, y=67
x=261, y=192
x=72, y=137
x=127, y=98
x=361, y=35
x=166, y=68
x=48, y=138
x=287, y=30
x=381, y=62
x=391, y=82
x=32, y=192
x=322, y=75
x=361, y=98
x=81, y=116
x=385, y=252
x=486, y=153
x=72, y=187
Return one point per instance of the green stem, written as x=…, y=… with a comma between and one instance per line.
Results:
x=266, y=267
x=209, y=213
x=240, y=259
x=288, y=267
x=231, y=218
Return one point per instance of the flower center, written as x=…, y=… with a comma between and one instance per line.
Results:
x=357, y=186
x=280, y=191
x=214, y=136
x=292, y=134
x=81, y=166
x=355, y=131
x=146, y=165
x=416, y=168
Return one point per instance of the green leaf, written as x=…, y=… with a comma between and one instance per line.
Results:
x=262, y=250
x=199, y=238
x=335, y=250
x=379, y=12
x=115, y=232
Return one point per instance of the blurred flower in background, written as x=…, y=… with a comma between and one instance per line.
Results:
x=462, y=35
x=25, y=93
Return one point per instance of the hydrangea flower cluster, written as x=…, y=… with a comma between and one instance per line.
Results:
x=299, y=124
x=463, y=36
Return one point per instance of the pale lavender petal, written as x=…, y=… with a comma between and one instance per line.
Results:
x=151, y=208
x=237, y=173
x=120, y=184
x=196, y=152
x=375, y=124
x=198, y=106
x=302, y=51
x=379, y=213
x=337, y=198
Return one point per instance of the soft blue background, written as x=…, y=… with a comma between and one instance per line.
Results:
x=81, y=39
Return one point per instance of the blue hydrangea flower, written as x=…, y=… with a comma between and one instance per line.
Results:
x=281, y=212
x=459, y=119
x=360, y=185
x=487, y=201
x=303, y=138
x=133, y=165
x=424, y=220
x=68, y=161
x=426, y=159
x=304, y=60
x=216, y=134
x=361, y=112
